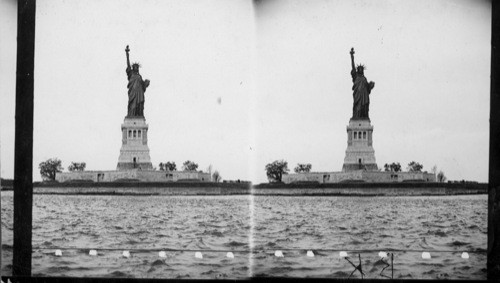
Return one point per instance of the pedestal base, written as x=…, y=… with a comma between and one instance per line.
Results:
x=359, y=154
x=355, y=167
x=134, y=153
x=130, y=165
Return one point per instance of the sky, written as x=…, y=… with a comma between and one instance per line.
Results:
x=238, y=84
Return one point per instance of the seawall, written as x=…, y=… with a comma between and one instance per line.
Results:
x=143, y=188
x=170, y=191
x=189, y=188
x=372, y=189
x=430, y=191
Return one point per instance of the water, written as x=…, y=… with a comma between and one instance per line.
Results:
x=410, y=225
x=444, y=226
x=144, y=225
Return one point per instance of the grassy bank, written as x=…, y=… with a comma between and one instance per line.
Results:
x=235, y=188
x=132, y=184
x=402, y=185
x=7, y=184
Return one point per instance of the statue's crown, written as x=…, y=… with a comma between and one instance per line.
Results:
x=136, y=64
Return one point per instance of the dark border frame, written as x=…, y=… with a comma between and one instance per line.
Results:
x=493, y=263
x=23, y=150
x=23, y=164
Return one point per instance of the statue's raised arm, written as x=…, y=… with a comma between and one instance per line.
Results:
x=127, y=50
x=352, y=59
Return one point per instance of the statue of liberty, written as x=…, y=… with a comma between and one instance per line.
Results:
x=361, y=90
x=136, y=89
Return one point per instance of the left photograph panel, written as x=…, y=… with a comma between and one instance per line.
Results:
x=141, y=154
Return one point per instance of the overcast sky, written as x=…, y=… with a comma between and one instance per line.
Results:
x=238, y=84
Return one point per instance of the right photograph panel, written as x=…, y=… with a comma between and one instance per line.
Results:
x=371, y=139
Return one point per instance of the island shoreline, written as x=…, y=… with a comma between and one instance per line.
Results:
x=266, y=189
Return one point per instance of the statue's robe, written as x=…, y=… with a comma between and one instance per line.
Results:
x=361, y=94
x=136, y=88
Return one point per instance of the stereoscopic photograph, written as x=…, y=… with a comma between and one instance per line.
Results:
x=237, y=139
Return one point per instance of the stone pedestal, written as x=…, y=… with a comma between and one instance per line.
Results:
x=134, y=153
x=359, y=154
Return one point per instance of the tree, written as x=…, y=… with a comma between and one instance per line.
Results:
x=415, y=167
x=49, y=168
x=161, y=165
x=77, y=166
x=170, y=166
x=441, y=178
x=189, y=166
x=393, y=167
x=303, y=168
x=276, y=170
x=216, y=177
x=386, y=167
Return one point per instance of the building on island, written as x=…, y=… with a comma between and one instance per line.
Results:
x=359, y=162
x=359, y=176
x=133, y=175
x=134, y=162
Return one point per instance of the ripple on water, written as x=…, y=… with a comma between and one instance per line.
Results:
x=458, y=244
x=158, y=262
x=236, y=244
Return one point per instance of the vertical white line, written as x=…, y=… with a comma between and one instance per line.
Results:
x=252, y=118
x=250, y=237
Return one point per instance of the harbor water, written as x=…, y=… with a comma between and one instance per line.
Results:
x=196, y=233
